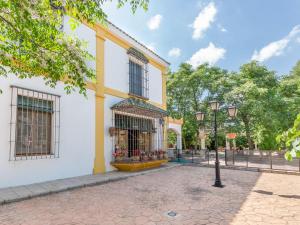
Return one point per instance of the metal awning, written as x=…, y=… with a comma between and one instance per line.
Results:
x=139, y=107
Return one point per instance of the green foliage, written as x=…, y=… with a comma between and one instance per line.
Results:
x=32, y=43
x=172, y=138
x=266, y=103
x=290, y=140
x=241, y=141
x=189, y=87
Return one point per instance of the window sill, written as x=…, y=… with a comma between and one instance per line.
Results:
x=22, y=157
x=138, y=96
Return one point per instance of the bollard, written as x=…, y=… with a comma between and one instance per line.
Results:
x=248, y=158
x=192, y=155
x=208, y=157
x=271, y=163
x=225, y=156
x=233, y=159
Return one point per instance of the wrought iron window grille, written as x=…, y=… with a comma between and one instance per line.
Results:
x=138, y=77
x=137, y=137
x=34, y=124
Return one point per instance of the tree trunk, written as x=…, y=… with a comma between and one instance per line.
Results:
x=248, y=132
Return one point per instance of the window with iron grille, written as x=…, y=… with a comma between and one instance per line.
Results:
x=138, y=78
x=137, y=137
x=35, y=119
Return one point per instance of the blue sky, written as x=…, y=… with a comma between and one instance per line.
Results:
x=226, y=33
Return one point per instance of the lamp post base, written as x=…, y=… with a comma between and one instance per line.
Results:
x=218, y=185
x=218, y=182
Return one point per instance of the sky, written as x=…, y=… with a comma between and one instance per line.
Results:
x=225, y=33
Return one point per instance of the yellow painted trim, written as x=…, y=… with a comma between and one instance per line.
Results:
x=116, y=93
x=91, y=86
x=99, y=163
x=121, y=94
x=121, y=42
x=175, y=121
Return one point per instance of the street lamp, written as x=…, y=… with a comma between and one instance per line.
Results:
x=200, y=116
x=215, y=107
x=232, y=111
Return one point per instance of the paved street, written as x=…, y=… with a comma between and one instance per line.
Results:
x=181, y=195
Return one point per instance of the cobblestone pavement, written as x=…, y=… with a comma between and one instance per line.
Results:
x=186, y=192
x=275, y=199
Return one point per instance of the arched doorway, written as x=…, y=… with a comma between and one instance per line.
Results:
x=174, y=142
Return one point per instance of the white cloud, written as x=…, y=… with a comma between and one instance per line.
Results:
x=151, y=46
x=211, y=55
x=275, y=48
x=174, y=52
x=204, y=20
x=298, y=40
x=154, y=22
x=223, y=29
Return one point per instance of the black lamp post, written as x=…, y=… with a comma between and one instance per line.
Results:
x=232, y=111
x=215, y=108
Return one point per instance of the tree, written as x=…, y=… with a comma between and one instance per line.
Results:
x=290, y=139
x=189, y=91
x=264, y=109
x=255, y=92
x=179, y=100
x=32, y=43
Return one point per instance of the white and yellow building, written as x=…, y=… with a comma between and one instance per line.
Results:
x=46, y=134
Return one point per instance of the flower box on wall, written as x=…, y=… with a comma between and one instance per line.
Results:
x=112, y=131
x=136, y=166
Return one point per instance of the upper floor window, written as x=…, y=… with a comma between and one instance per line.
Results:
x=138, y=74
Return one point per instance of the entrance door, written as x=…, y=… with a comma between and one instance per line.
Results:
x=133, y=141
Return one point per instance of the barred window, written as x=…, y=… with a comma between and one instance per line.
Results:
x=138, y=78
x=136, y=135
x=34, y=124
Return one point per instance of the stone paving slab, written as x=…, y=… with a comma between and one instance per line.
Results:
x=14, y=194
x=179, y=196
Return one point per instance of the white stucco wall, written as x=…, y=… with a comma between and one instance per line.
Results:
x=134, y=43
x=77, y=137
x=155, y=84
x=85, y=34
x=116, y=72
x=116, y=67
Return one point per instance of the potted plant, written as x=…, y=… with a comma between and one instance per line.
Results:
x=154, y=156
x=118, y=156
x=146, y=156
x=160, y=154
x=136, y=155
x=112, y=131
x=165, y=155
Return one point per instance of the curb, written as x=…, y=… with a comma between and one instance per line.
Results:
x=253, y=169
x=90, y=184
